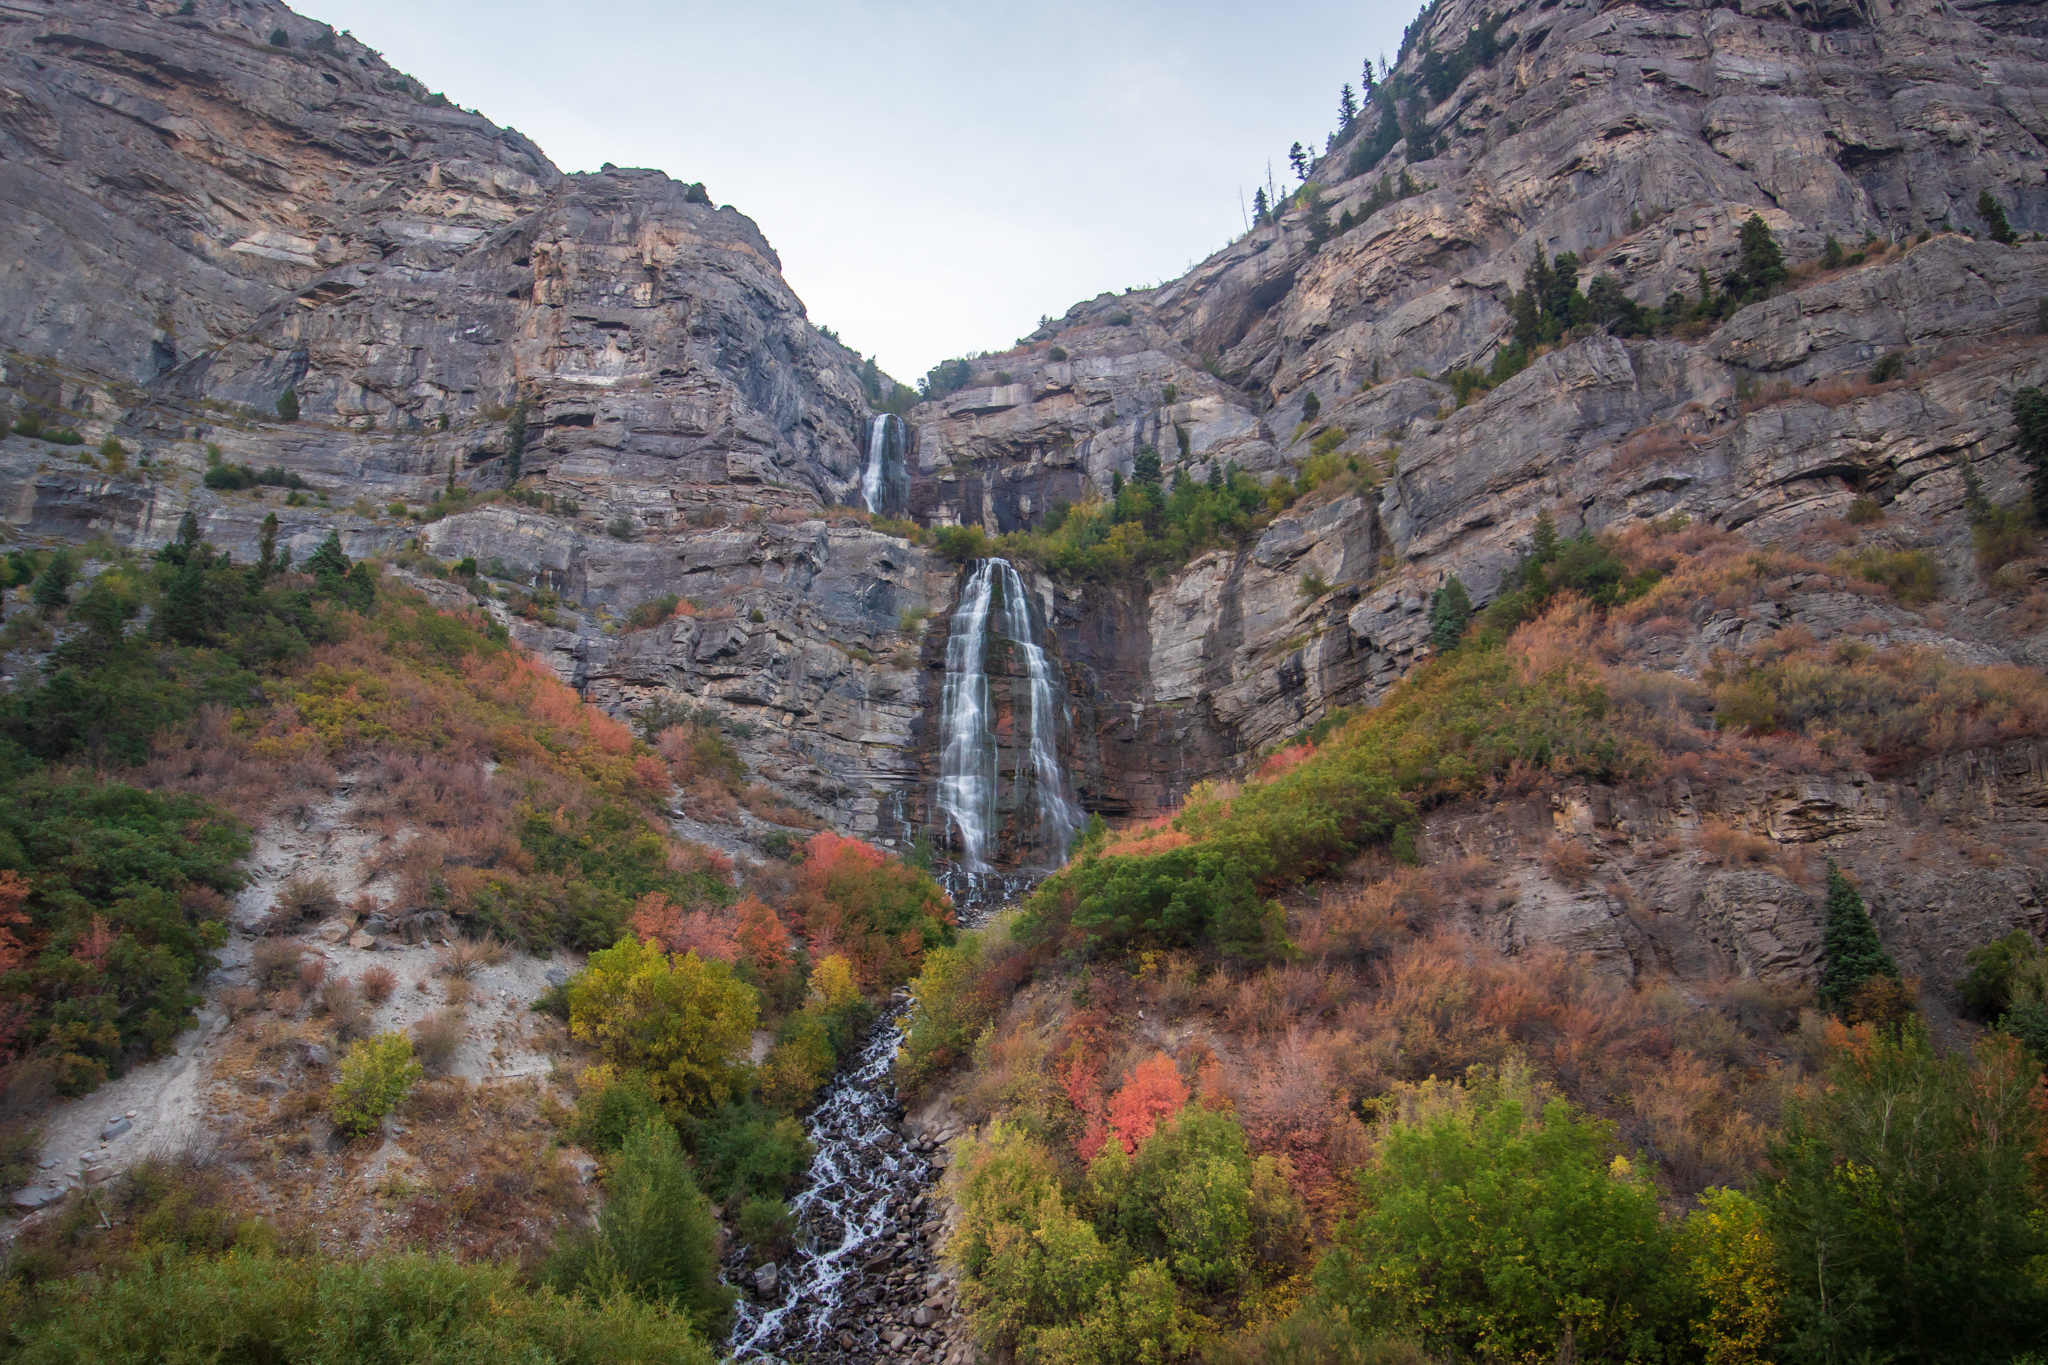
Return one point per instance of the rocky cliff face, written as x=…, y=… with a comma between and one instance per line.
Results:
x=202, y=219
x=1639, y=137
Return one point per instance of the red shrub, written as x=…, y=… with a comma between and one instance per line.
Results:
x=1154, y=1091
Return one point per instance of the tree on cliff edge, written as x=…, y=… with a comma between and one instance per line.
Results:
x=1850, y=952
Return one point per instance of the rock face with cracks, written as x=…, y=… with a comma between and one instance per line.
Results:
x=202, y=220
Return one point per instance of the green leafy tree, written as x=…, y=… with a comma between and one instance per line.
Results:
x=1850, y=951
x=1450, y=612
x=1492, y=1233
x=1900, y=1202
x=684, y=1021
x=655, y=1239
x=375, y=1075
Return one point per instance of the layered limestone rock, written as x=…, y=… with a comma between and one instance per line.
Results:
x=203, y=219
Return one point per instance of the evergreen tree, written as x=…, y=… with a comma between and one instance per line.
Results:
x=1994, y=218
x=1831, y=254
x=1528, y=326
x=1145, y=466
x=1366, y=80
x=515, y=443
x=1347, y=108
x=329, y=562
x=451, y=475
x=2030, y=417
x=1215, y=475
x=871, y=382
x=1311, y=406
x=1297, y=157
x=266, y=562
x=1762, y=266
x=1259, y=210
x=1450, y=611
x=1545, y=548
x=53, y=588
x=288, y=404
x=1849, y=948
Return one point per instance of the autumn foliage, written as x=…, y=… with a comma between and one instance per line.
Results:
x=852, y=898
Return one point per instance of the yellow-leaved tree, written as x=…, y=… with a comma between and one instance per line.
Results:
x=1726, y=1245
x=683, y=1021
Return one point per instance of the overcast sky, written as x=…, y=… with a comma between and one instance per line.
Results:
x=934, y=176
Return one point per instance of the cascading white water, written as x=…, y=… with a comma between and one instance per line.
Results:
x=873, y=478
x=967, y=747
x=1055, y=815
x=967, y=796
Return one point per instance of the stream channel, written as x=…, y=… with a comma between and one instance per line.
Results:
x=868, y=1216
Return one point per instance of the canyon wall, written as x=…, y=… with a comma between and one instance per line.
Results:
x=202, y=219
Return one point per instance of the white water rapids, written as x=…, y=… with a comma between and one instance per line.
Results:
x=862, y=1170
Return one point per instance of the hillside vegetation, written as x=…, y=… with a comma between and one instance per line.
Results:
x=184, y=703
x=1257, y=1089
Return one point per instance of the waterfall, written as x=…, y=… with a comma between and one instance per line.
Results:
x=968, y=765
x=885, y=478
x=967, y=753
x=878, y=455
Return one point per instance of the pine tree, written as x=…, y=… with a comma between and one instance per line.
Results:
x=1450, y=611
x=1762, y=265
x=2030, y=417
x=288, y=405
x=1145, y=466
x=53, y=588
x=1850, y=952
x=515, y=443
x=329, y=562
x=1545, y=548
x=1297, y=157
x=1994, y=218
x=1347, y=108
x=266, y=562
x=1259, y=210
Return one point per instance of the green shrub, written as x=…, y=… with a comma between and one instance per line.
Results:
x=649, y=614
x=375, y=1075
x=621, y=528
x=1911, y=576
x=1589, y=566
x=745, y=1152
x=279, y=38
x=1864, y=512
x=1485, y=1230
x=1118, y=319
x=1890, y=366
x=767, y=1228
x=611, y=1104
x=1056, y=354
x=958, y=991
x=313, y=1311
x=655, y=1238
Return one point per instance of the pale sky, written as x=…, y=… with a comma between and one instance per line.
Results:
x=934, y=176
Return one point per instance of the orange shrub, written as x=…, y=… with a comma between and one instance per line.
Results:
x=882, y=913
